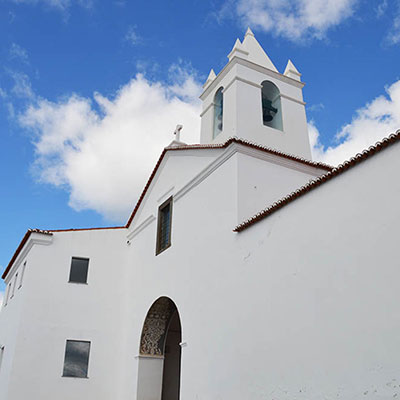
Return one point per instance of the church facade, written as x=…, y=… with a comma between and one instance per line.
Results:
x=246, y=270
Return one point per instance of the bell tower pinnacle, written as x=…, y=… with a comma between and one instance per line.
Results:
x=250, y=99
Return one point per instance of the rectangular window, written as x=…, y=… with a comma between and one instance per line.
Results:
x=164, y=226
x=79, y=270
x=76, y=359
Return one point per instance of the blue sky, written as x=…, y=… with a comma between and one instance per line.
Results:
x=90, y=91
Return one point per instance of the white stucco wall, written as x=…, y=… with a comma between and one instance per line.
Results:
x=302, y=305
x=264, y=179
x=201, y=213
x=176, y=170
x=242, y=109
x=324, y=318
x=54, y=310
x=10, y=316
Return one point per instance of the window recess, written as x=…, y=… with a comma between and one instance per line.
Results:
x=164, y=226
x=79, y=270
x=76, y=360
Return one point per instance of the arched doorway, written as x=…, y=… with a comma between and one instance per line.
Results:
x=160, y=353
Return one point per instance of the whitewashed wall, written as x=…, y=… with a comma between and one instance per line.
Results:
x=242, y=110
x=54, y=310
x=10, y=316
x=264, y=178
x=303, y=305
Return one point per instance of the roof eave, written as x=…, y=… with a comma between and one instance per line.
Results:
x=21, y=247
x=219, y=146
x=357, y=159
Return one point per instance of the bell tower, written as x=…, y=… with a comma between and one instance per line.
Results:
x=250, y=99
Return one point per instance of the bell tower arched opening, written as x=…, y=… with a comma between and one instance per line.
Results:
x=250, y=99
x=271, y=105
x=159, y=368
x=218, y=112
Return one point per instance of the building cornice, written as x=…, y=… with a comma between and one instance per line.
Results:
x=315, y=183
x=293, y=99
x=49, y=232
x=32, y=237
x=202, y=175
x=218, y=146
x=140, y=227
x=233, y=148
x=237, y=78
x=207, y=108
x=284, y=162
x=253, y=66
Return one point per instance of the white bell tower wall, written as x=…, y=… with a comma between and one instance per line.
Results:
x=242, y=80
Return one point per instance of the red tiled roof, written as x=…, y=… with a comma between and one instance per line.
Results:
x=20, y=247
x=45, y=232
x=222, y=146
x=175, y=148
x=87, y=229
x=379, y=146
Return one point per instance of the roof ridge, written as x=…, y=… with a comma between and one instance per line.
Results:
x=333, y=171
x=359, y=157
x=20, y=247
x=232, y=139
x=46, y=232
x=37, y=230
x=87, y=229
x=253, y=144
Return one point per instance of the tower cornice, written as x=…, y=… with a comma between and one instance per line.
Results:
x=246, y=63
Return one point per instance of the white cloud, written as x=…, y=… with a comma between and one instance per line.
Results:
x=185, y=84
x=11, y=17
x=292, y=19
x=18, y=52
x=393, y=36
x=22, y=84
x=317, y=149
x=371, y=123
x=62, y=5
x=315, y=107
x=381, y=9
x=132, y=36
x=102, y=150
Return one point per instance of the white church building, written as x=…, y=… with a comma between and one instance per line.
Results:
x=245, y=271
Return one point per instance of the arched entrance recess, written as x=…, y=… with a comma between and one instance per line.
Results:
x=160, y=353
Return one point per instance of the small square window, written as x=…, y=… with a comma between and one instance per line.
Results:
x=79, y=270
x=76, y=359
x=164, y=226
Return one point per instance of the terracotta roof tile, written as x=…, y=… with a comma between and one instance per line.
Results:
x=173, y=148
x=358, y=158
x=87, y=229
x=45, y=232
x=222, y=146
x=20, y=247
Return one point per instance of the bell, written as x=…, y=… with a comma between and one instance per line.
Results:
x=268, y=111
